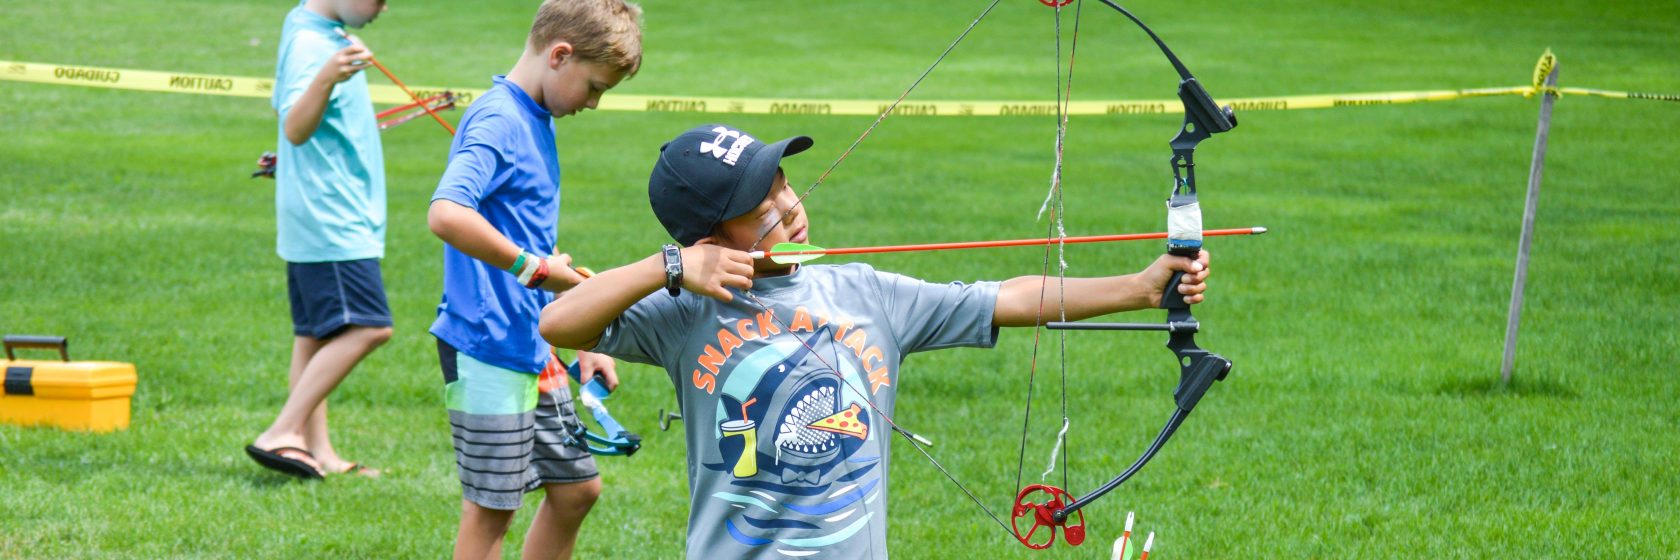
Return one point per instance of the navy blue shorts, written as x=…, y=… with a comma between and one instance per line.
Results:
x=329, y=296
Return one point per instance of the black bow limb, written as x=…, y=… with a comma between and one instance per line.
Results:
x=1198, y=370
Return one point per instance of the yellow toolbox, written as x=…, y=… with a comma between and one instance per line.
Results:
x=70, y=395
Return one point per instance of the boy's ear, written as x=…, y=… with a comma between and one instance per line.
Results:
x=558, y=53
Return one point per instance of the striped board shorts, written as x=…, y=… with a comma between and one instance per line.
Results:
x=511, y=430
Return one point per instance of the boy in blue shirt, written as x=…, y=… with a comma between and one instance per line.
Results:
x=787, y=374
x=329, y=199
x=496, y=208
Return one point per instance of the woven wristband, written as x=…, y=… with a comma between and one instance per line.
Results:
x=540, y=276
x=518, y=264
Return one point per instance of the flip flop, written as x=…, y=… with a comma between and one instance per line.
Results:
x=274, y=460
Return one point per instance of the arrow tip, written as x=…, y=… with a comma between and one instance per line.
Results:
x=1259, y=230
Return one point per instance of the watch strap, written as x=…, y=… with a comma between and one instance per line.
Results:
x=673, y=269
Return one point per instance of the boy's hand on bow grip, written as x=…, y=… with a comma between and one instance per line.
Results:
x=709, y=270
x=1190, y=287
x=591, y=364
x=561, y=275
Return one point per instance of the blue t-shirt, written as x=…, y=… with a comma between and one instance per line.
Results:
x=329, y=195
x=504, y=165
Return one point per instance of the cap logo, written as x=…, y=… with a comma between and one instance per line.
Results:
x=737, y=143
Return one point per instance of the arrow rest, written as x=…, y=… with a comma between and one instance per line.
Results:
x=665, y=419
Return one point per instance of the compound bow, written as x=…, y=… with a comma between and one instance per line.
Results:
x=1046, y=506
x=1199, y=368
x=611, y=438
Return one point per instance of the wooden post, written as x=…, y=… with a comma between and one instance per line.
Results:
x=1536, y=167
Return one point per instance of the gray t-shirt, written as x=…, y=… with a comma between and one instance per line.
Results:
x=786, y=459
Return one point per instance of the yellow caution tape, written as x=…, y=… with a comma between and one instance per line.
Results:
x=1026, y=108
x=1619, y=94
x=179, y=82
x=1542, y=70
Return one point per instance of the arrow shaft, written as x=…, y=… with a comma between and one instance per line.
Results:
x=411, y=94
x=394, y=110
x=1004, y=243
x=403, y=87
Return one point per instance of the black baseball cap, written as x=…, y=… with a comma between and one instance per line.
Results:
x=711, y=174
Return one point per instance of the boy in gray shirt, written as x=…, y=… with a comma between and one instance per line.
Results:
x=787, y=373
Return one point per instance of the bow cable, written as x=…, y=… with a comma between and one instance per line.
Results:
x=889, y=109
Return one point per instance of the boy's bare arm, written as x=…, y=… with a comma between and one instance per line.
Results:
x=1018, y=298
x=577, y=320
x=468, y=232
x=305, y=115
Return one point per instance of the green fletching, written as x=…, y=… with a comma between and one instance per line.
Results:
x=813, y=252
x=787, y=247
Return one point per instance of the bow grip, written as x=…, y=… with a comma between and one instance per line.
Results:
x=1198, y=368
x=1170, y=298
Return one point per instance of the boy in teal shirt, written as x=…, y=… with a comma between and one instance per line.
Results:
x=329, y=202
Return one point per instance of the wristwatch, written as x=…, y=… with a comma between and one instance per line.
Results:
x=673, y=269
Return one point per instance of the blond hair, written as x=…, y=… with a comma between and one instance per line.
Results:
x=602, y=31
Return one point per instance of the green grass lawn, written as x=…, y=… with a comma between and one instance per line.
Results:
x=1363, y=418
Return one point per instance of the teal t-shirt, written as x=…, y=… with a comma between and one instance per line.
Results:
x=785, y=457
x=329, y=194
